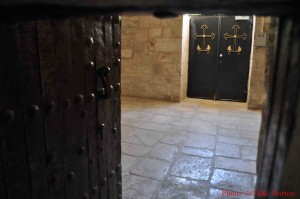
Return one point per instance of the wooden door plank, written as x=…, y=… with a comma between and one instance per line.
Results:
x=110, y=110
x=13, y=145
x=26, y=38
x=51, y=99
x=78, y=43
x=100, y=62
x=90, y=92
x=117, y=99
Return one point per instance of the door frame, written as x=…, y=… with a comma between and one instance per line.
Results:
x=186, y=46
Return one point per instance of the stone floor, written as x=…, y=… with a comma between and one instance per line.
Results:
x=194, y=149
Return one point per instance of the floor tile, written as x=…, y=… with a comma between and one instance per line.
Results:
x=232, y=181
x=228, y=150
x=235, y=164
x=151, y=168
x=196, y=168
x=181, y=188
x=249, y=153
x=238, y=141
x=190, y=150
x=137, y=187
x=134, y=149
x=200, y=141
x=198, y=152
x=163, y=152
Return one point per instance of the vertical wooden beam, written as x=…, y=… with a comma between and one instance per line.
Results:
x=92, y=119
x=282, y=113
x=117, y=101
x=26, y=39
x=14, y=151
x=50, y=80
x=102, y=126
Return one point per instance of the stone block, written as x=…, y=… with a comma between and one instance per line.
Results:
x=163, y=152
x=195, y=168
x=140, y=46
x=165, y=57
x=149, y=22
x=176, y=187
x=167, y=32
x=155, y=32
x=207, y=153
x=230, y=180
x=249, y=153
x=141, y=35
x=126, y=53
x=151, y=168
x=134, y=149
x=130, y=21
x=235, y=164
x=228, y=150
x=177, y=32
x=139, y=187
x=168, y=44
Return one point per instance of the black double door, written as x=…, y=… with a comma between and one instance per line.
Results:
x=219, y=57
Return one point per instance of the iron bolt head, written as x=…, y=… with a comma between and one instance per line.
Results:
x=50, y=106
x=118, y=44
x=78, y=99
x=85, y=196
x=81, y=150
x=90, y=65
x=71, y=175
x=67, y=104
x=119, y=167
x=103, y=181
x=112, y=173
x=91, y=97
x=33, y=110
x=83, y=114
x=7, y=116
x=90, y=41
x=119, y=184
x=95, y=189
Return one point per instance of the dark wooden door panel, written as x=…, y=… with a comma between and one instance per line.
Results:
x=102, y=123
x=203, y=57
x=53, y=126
x=14, y=157
x=26, y=35
x=92, y=113
x=234, y=63
x=60, y=120
x=219, y=63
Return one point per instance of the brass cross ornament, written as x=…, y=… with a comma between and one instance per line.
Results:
x=235, y=49
x=203, y=47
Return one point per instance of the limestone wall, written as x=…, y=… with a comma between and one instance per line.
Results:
x=257, y=90
x=151, y=57
x=155, y=59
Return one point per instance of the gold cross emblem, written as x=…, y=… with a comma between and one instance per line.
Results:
x=203, y=47
x=236, y=49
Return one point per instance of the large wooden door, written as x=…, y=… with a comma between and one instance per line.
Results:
x=219, y=59
x=60, y=108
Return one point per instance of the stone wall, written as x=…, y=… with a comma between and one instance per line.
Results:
x=155, y=59
x=256, y=89
x=151, y=57
x=268, y=76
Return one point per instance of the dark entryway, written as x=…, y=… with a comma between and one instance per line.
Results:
x=219, y=57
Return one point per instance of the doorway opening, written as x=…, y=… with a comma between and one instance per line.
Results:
x=175, y=148
x=219, y=57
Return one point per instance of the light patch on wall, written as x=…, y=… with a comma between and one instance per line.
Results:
x=242, y=18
